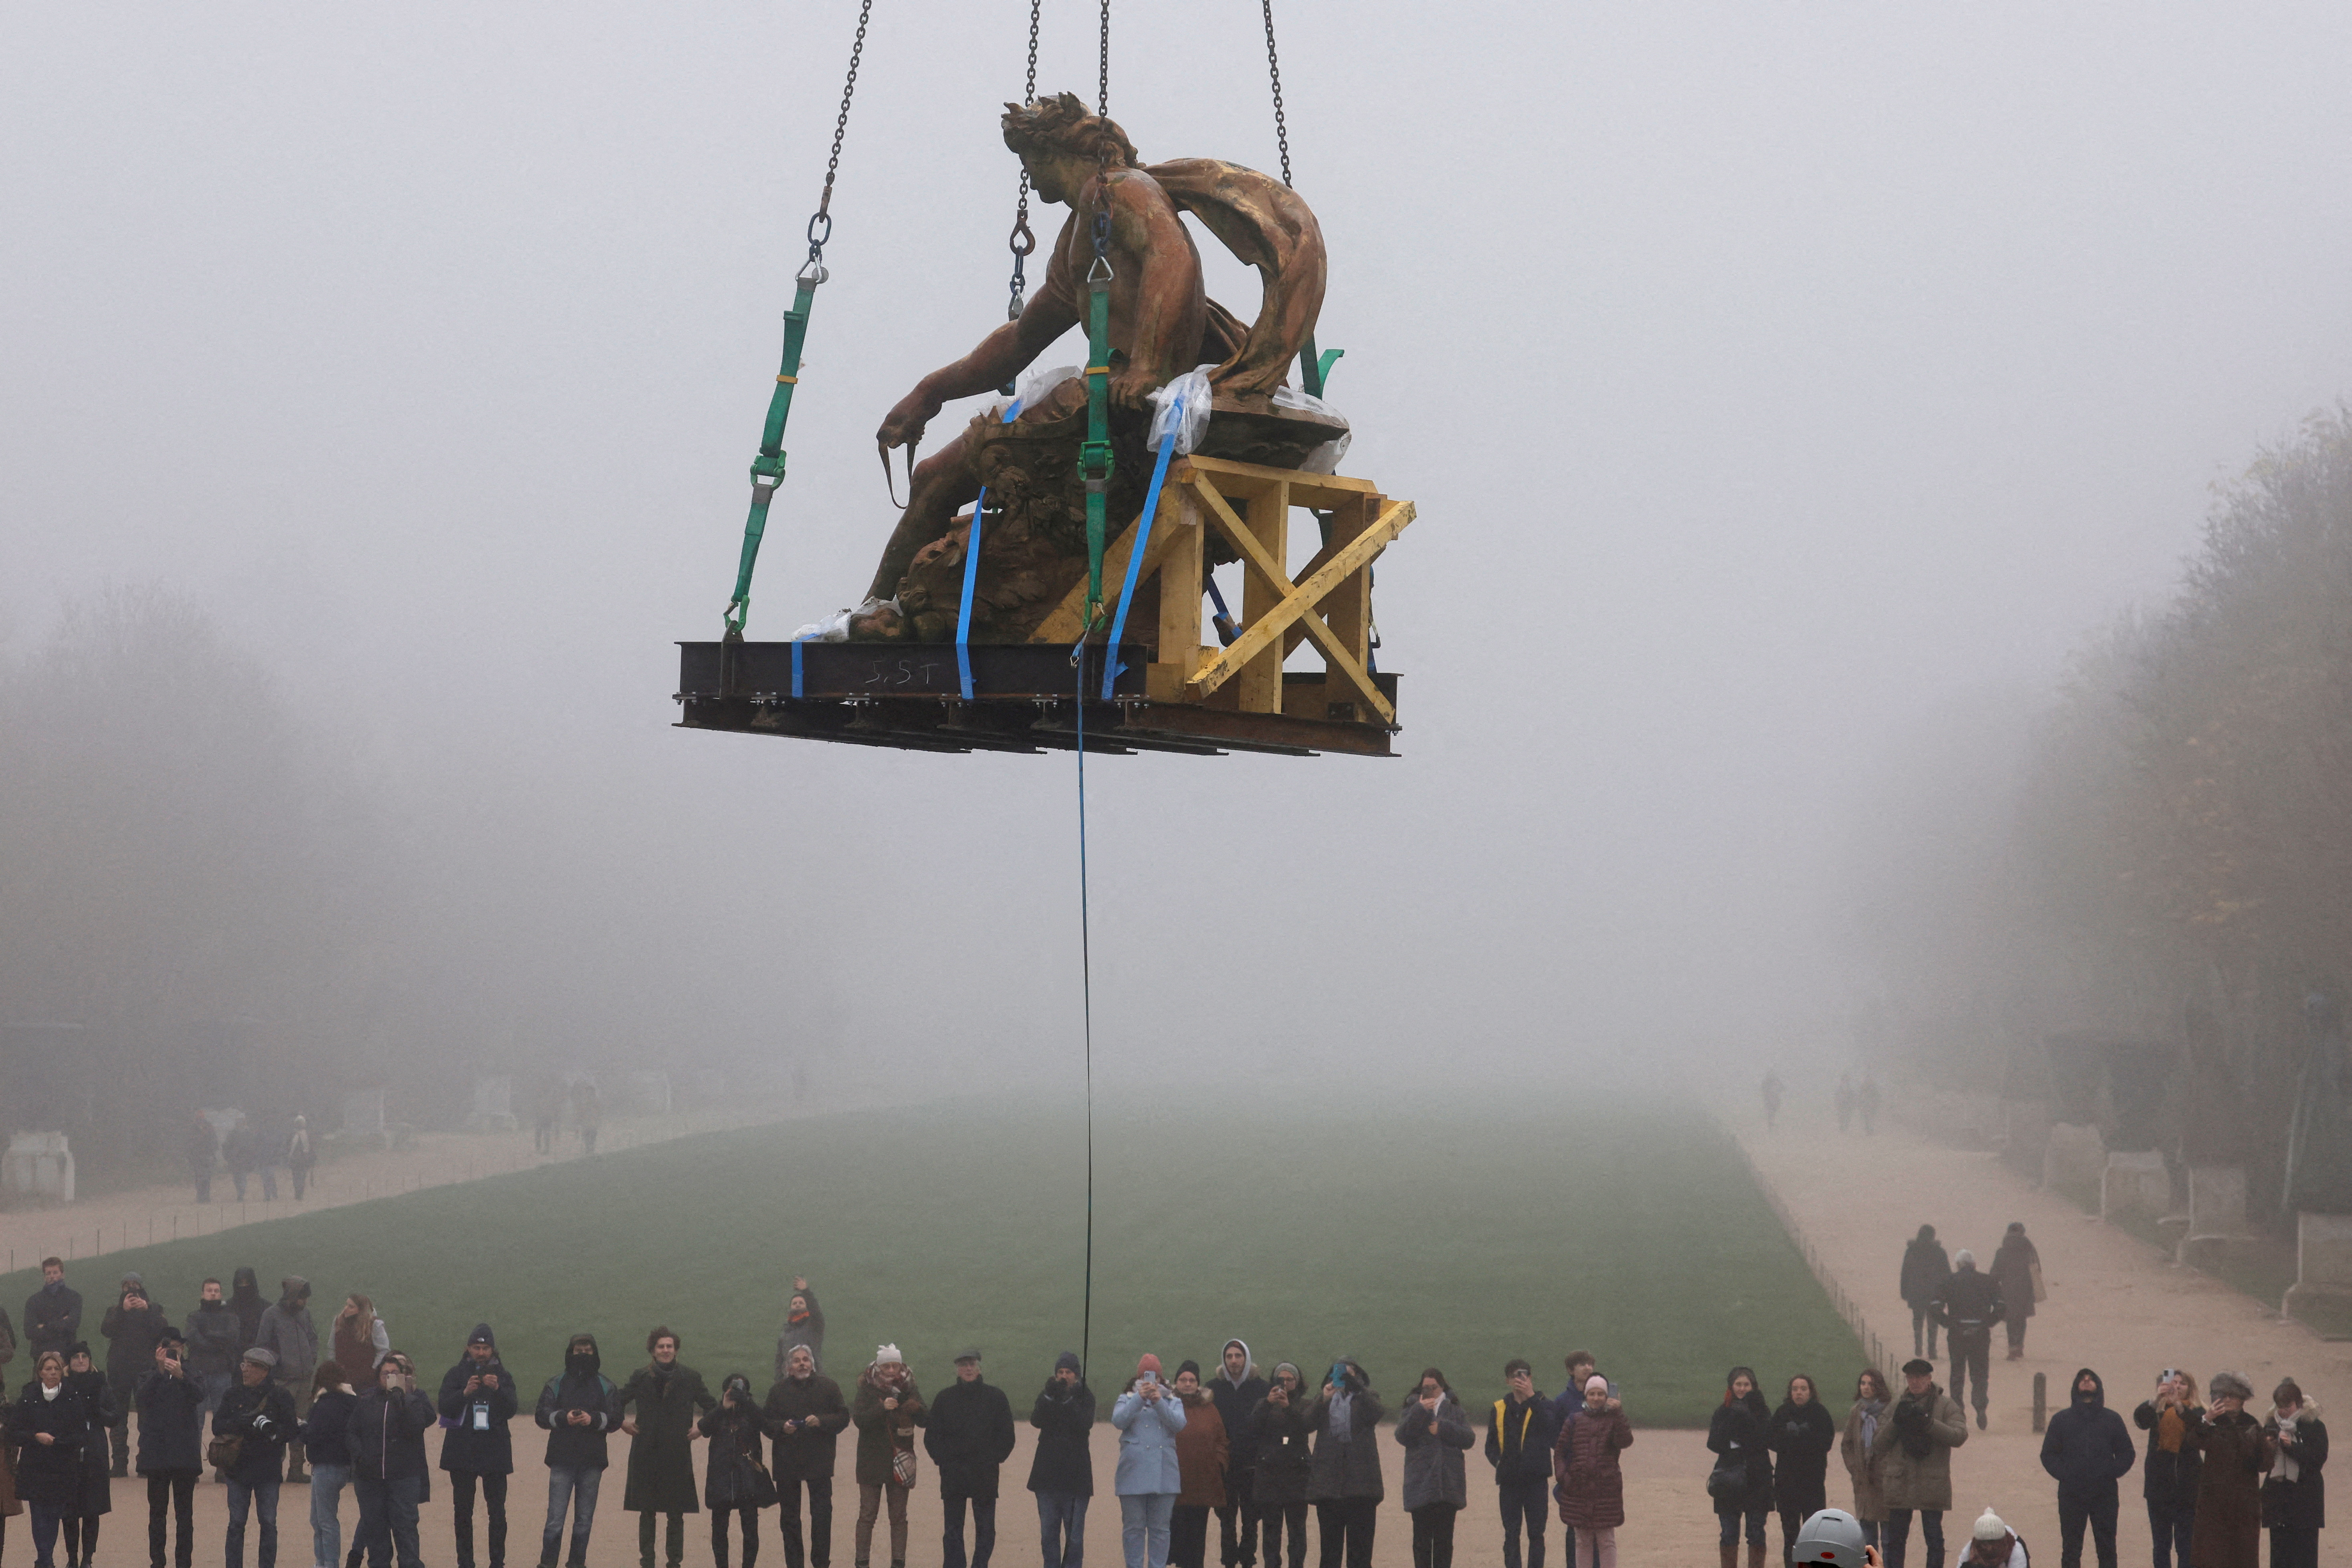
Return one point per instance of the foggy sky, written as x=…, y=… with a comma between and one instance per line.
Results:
x=1765, y=377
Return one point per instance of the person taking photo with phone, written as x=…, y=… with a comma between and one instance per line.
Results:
x=479, y=1395
x=171, y=1448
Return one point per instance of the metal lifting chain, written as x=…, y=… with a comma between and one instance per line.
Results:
x=1102, y=77
x=1273, y=69
x=832, y=162
x=1021, y=242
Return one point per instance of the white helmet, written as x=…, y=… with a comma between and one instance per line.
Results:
x=1832, y=1536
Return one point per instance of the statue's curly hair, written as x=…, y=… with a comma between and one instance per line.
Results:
x=1063, y=124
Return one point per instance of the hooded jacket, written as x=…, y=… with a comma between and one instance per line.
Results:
x=583, y=1386
x=245, y=1298
x=1237, y=1400
x=1065, y=1419
x=479, y=1444
x=287, y=1331
x=2086, y=1449
x=1346, y=1464
x=1926, y=1267
x=819, y=1416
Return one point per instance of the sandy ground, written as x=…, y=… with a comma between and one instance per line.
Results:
x=94, y=1226
x=2115, y=1303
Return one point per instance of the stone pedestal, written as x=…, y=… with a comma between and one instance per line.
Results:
x=2074, y=1158
x=2024, y=1134
x=40, y=1165
x=493, y=1107
x=2135, y=1183
x=2216, y=1211
x=2323, y=1255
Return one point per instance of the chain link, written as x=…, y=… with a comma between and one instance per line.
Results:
x=1102, y=77
x=840, y=130
x=1021, y=242
x=1273, y=69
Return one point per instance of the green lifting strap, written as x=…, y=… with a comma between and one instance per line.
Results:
x=768, y=468
x=1094, y=457
x=1314, y=369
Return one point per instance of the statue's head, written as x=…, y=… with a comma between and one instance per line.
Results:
x=1059, y=134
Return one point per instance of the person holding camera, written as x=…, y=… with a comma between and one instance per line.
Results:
x=1343, y=1480
x=2169, y=1473
x=736, y=1479
x=888, y=1409
x=1436, y=1435
x=968, y=1438
x=326, y=1434
x=251, y=1430
x=659, y=1404
x=1283, y=1461
x=1150, y=1475
x=479, y=1395
x=133, y=1327
x=386, y=1439
x=1520, y=1433
x=806, y=1417
x=579, y=1405
x=1203, y=1452
x=171, y=1448
x=1914, y=1454
x=1062, y=1471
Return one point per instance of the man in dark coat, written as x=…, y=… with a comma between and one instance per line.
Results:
x=1062, y=1471
x=2088, y=1451
x=202, y=1150
x=1520, y=1433
x=2016, y=1264
x=1237, y=1389
x=971, y=1435
x=171, y=1448
x=807, y=1417
x=259, y=1413
x=287, y=1332
x=478, y=1395
x=386, y=1439
x=576, y=1408
x=133, y=1327
x=248, y=1304
x=53, y=1312
x=1968, y=1306
x=212, y=1346
x=1924, y=1269
x=661, y=1404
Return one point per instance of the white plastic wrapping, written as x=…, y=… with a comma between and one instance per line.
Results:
x=835, y=628
x=1326, y=458
x=1182, y=408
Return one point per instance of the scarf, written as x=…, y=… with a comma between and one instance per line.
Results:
x=2285, y=1468
x=1341, y=1426
x=2171, y=1431
x=48, y=1393
x=1872, y=1409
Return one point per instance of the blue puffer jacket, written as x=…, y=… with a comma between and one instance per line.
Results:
x=1147, y=1443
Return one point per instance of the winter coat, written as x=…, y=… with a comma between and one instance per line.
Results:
x=1285, y=1457
x=171, y=1424
x=1584, y=1457
x=97, y=1401
x=1933, y=1426
x=661, y=1455
x=1742, y=1429
x=731, y=1474
x=385, y=1433
x=1926, y=1267
x=1346, y=1465
x=969, y=1435
x=1202, y=1451
x=211, y=1333
x=1148, y=1461
x=2169, y=1478
x=289, y=1332
x=2013, y=1263
x=1063, y=1464
x=881, y=1432
x=48, y=1475
x=11, y=1504
x=1862, y=1465
x=131, y=1336
x=1801, y=1441
x=479, y=1444
x=264, y=1417
x=359, y=1351
x=1236, y=1402
x=1970, y=1303
x=52, y=1319
x=809, y=1332
x=245, y=1298
x=2086, y=1449
x=7, y=1352
x=2300, y=1503
x=582, y=1388
x=1520, y=1437
x=326, y=1430
x=1433, y=1470
x=2238, y=1456
x=805, y=1452
x=200, y=1147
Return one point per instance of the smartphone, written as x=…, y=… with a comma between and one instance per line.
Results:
x=1147, y=1377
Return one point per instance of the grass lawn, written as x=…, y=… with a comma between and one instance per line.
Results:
x=1401, y=1237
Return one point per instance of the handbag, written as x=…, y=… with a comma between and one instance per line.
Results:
x=1728, y=1482
x=762, y=1486
x=2040, y=1292
x=223, y=1453
x=902, y=1466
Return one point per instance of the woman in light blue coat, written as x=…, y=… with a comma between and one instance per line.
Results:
x=1148, y=1415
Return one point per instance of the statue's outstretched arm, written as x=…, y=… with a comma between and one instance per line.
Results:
x=995, y=360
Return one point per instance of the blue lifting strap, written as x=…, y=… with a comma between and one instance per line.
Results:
x=796, y=670
x=1112, y=669
x=972, y=577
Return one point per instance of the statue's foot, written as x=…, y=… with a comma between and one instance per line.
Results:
x=863, y=624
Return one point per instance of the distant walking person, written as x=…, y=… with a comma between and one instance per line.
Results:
x=2238, y=1457
x=659, y=1404
x=1968, y=1306
x=2086, y=1452
x=1344, y=1480
x=200, y=1147
x=287, y=1332
x=1773, y=1090
x=1062, y=1471
x=326, y=1442
x=804, y=1325
x=1150, y=1476
x=806, y=1417
x=1857, y=1446
x=1914, y=1449
x=1739, y=1435
x=1924, y=1269
x=479, y=1395
x=1804, y=1433
x=1520, y=1433
x=1866, y=1100
x=258, y=1414
x=1436, y=1435
x=1284, y=1459
x=1591, y=1484
x=968, y=1438
x=576, y=1409
x=386, y=1442
x=546, y=1111
x=1844, y=1101
x=97, y=1495
x=2017, y=1270
x=887, y=1409
x=1202, y=1451
x=48, y=1427
x=133, y=1327
x=1237, y=1388
x=300, y=1156
x=736, y=1479
x=241, y=1153
x=2294, y=1499
x=171, y=1450
x=53, y=1312
x=588, y=1115
x=2168, y=1477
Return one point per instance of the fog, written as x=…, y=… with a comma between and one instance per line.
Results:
x=1768, y=381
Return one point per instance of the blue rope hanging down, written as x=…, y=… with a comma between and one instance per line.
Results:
x=1087, y=990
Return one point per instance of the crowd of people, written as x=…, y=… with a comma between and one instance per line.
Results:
x=251, y=1389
